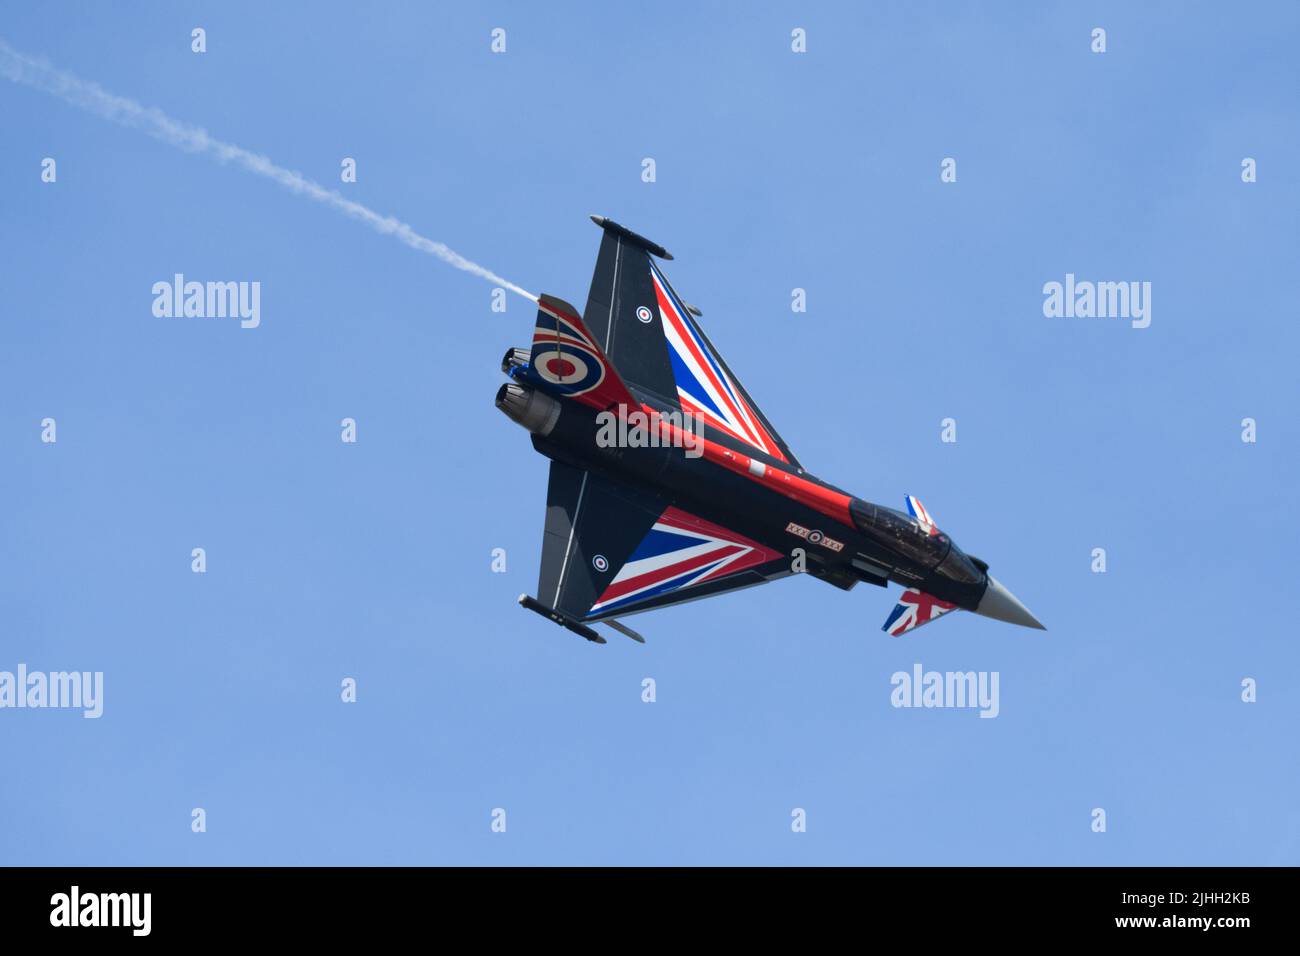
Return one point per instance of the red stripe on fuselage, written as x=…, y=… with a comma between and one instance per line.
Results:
x=833, y=504
x=614, y=392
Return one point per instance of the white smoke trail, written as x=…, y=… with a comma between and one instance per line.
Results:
x=41, y=75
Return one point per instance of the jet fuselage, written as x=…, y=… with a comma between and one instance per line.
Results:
x=668, y=484
x=844, y=539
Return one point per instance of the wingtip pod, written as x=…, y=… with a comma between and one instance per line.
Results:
x=532, y=604
x=651, y=247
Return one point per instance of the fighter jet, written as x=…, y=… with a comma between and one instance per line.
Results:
x=669, y=484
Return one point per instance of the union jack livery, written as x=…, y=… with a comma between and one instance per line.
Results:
x=703, y=385
x=913, y=609
x=714, y=500
x=678, y=552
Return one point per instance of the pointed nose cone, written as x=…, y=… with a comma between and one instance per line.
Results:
x=1001, y=605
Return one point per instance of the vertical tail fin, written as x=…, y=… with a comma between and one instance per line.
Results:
x=566, y=361
x=917, y=511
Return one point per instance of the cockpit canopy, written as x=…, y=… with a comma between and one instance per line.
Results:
x=900, y=533
x=923, y=546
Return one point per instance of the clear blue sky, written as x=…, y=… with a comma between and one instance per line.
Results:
x=775, y=171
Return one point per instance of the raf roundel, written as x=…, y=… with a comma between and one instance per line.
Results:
x=561, y=367
x=571, y=369
x=644, y=314
x=600, y=563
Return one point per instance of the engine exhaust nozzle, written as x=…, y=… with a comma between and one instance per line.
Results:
x=528, y=407
x=514, y=358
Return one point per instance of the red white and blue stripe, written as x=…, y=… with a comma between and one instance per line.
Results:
x=680, y=551
x=913, y=609
x=703, y=386
x=917, y=511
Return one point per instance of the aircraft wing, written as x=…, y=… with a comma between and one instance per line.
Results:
x=650, y=336
x=610, y=550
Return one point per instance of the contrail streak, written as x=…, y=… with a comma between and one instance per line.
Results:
x=42, y=76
